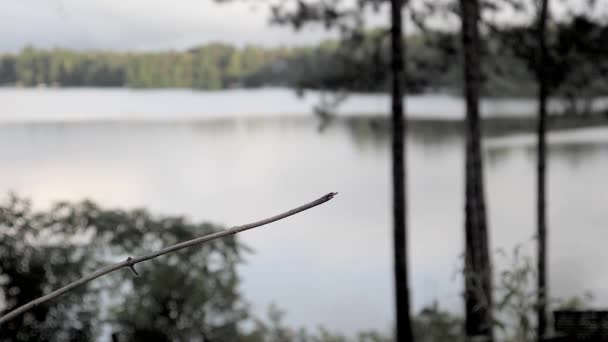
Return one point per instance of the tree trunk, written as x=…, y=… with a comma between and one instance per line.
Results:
x=543, y=93
x=402, y=300
x=478, y=273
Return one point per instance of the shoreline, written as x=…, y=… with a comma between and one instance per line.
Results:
x=495, y=125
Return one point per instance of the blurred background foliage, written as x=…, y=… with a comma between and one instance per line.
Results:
x=191, y=295
x=186, y=295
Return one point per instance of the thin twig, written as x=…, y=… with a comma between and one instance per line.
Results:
x=131, y=262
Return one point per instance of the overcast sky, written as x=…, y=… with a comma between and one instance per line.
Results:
x=140, y=24
x=153, y=24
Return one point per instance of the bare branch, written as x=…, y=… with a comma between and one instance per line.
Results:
x=131, y=262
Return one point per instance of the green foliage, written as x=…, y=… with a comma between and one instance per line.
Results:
x=580, y=302
x=433, y=324
x=213, y=66
x=357, y=63
x=275, y=330
x=184, y=296
x=430, y=325
x=576, y=61
x=517, y=298
x=36, y=258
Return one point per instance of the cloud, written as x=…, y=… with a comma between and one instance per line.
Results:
x=140, y=24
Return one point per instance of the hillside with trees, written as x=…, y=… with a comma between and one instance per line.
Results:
x=361, y=63
x=331, y=65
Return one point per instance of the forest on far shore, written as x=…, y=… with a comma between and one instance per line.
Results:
x=357, y=64
x=216, y=66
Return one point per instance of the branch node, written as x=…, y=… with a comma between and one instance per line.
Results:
x=132, y=267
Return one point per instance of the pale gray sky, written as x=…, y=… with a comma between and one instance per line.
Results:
x=160, y=24
x=140, y=24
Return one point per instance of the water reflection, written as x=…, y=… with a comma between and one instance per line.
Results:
x=576, y=154
x=426, y=133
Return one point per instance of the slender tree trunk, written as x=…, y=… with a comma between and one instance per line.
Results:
x=402, y=299
x=478, y=273
x=543, y=93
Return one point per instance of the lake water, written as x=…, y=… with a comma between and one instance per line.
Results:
x=237, y=156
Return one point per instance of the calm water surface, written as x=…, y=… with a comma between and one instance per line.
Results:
x=331, y=265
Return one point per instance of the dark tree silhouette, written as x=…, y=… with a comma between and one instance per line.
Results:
x=543, y=93
x=478, y=273
x=350, y=21
x=402, y=298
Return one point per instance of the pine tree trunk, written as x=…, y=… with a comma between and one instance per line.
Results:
x=402, y=301
x=478, y=273
x=541, y=173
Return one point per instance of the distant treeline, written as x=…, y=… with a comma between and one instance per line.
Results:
x=579, y=64
x=212, y=66
x=360, y=66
